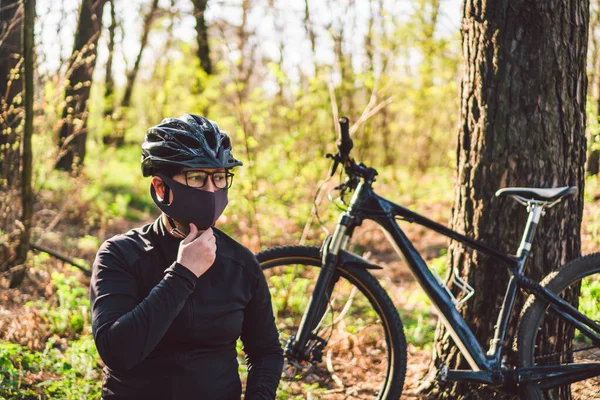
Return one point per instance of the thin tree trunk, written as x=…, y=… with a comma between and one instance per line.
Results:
x=117, y=137
x=109, y=82
x=72, y=132
x=310, y=31
x=132, y=74
x=109, y=104
x=427, y=17
x=241, y=74
x=593, y=161
x=202, y=35
x=11, y=87
x=522, y=124
x=109, y=130
x=11, y=115
x=166, y=62
x=279, y=24
x=26, y=191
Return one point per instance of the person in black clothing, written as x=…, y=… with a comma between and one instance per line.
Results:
x=170, y=299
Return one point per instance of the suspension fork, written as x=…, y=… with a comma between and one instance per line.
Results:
x=320, y=296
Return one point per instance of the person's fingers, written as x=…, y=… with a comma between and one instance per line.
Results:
x=207, y=234
x=192, y=235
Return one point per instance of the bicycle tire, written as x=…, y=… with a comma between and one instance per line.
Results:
x=282, y=261
x=533, y=350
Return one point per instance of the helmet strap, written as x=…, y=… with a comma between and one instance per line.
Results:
x=165, y=199
x=174, y=230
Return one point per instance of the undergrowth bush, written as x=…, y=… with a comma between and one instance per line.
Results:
x=72, y=306
x=70, y=371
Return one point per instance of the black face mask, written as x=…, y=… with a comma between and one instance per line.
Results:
x=191, y=205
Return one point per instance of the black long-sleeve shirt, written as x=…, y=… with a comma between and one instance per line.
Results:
x=165, y=334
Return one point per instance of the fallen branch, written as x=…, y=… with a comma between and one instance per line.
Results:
x=329, y=364
x=74, y=263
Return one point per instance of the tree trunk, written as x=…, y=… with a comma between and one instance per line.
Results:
x=132, y=74
x=11, y=115
x=310, y=31
x=427, y=15
x=202, y=35
x=26, y=192
x=117, y=136
x=72, y=132
x=166, y=62
x=109, y=82
x=522, y=124
x=11, y=88
x=593, y=161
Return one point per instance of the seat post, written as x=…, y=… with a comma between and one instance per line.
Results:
x=536, y=211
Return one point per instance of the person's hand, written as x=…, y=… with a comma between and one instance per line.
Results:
x=197, y=252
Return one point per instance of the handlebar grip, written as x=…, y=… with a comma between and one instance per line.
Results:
x=345, y=144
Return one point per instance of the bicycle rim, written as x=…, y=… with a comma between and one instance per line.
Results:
x=365, y=356
x=541, y=342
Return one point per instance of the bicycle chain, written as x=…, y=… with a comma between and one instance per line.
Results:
x=561, y=353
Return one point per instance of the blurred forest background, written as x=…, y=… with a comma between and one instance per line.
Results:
x=275, y=75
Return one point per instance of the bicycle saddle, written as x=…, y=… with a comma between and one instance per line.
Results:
x=551, y=194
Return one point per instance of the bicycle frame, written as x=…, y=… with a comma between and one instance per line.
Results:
x=486, y=366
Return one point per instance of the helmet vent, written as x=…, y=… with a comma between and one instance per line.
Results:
x=211, y=140
x=190, y=141
x=225, y=142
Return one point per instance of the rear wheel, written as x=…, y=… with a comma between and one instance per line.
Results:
x=539, y=342
x=365, y=352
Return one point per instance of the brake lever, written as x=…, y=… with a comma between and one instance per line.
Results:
x=336, y=163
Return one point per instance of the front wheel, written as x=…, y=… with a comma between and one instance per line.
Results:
x=541, y=341
x=359, y=339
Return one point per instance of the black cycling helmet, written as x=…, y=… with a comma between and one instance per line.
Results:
x=188, y=141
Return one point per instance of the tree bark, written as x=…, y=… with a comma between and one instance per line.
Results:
x=11, y=88
x=593, y=161
x=26, y=190
x=108, y=136
x=109, y=82
x=522, y=124
x=11, y=115
x=72, y=132
x=202, y=35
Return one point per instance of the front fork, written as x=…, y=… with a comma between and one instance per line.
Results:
x=306, y=346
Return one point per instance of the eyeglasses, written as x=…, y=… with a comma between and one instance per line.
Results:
x=198, y=179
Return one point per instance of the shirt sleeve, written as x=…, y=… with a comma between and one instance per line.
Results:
x=261, y=343
x=126, y=330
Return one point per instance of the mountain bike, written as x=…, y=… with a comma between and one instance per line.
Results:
x=342, y=334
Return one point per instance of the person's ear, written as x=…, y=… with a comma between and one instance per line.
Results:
x=159, y=187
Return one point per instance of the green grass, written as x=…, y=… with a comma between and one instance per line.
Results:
x=71, y=311
x=53, y=373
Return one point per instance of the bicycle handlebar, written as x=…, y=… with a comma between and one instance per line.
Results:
x=344, y=146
